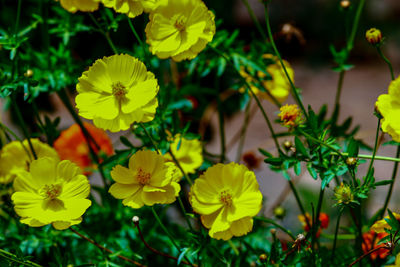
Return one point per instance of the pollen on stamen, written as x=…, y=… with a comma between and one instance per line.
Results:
x=226, y=198
x=118, y=90
x=143, y=177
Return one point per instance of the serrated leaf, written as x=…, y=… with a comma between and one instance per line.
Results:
x=353, y=148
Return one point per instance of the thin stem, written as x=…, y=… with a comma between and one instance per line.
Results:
x=165, y=228
x=270, y=221
x=136, y=35
x=104, y=248
x=317, y=222
x=394, y=174
x=243, y=131
x=271, y=39
x=254, y=18
x=180, y=167
x=339, y=91
x=362, y=156
x=301, y=207
x=151, y=138
x=375, y=146
x=14, y=258
x=184, y=213
x=153, y=249
x=378, y=48
x=368, y=253
x=350, y=42
x=234, y=248
x=221, y=129
x=105, y=34
x=336, y=234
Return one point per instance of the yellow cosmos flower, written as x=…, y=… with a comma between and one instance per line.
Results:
x=16, y=156
x=80, y=5
x=148, y=181
x=117, y=91
x=53, y=192
x=189, y=153
x=379, y=226
x=278, y=86
x=131, y=8
x=388, y=105
x=179, y=29
x=227, y=197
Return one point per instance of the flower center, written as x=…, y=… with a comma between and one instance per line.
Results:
x=143, y=177
x=50, y=191
x=226, y=197
x=118, y=90
x=180, y=22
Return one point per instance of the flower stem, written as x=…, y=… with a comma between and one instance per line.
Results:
x=254, y=18
x=270, y=221
x=234, y=248
x=105, y=34
x=301, y=207
x=180, y=167
x=221, y=128
x=184, y=213
x=14, y=258
x=243, y=131
x=336, y=234
x=394, y=174
x=378, y=48
x=350, y=42
x=165, y=229
x=338, y=93
x=104, y=248
x=375, y=146
x=136, y=36
x=317, y=222
x=151, y=138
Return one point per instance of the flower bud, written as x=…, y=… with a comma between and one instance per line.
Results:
x=279, y=212
x=351, y=161
x=28, y=73
x=374, y=36
x=263, y=257
x=135, y=219
x=343, y=194
x=287, y=145
x=290, y=115
x=345, y=4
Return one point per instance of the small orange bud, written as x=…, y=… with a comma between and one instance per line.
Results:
x=345, y=4
x=351, y=161
x=373, y=36
x=263, y=257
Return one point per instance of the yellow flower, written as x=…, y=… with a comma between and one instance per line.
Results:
x=179, y=29
x=379, y=226
x=290, y=115
x=227, y=197
x=80, y=5
x=117, y=91
x=189, y=153
x=388, y=105
x=16, y=156
x=131, y=8
x=373, y=36
x=148, y=181
x=278, y=86
x=53, y=192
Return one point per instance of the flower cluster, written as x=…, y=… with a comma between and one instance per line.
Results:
x=307, y=222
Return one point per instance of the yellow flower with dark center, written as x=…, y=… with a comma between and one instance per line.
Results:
x=53, y=192
x=278, y=86
x=227, y=197
x=189, y=153
x=117, y=91
x=290, y=115
x=80, y=5
x=149, y=180
x=179, y=29
x=379, y=226
x=388, y=105
x=17, y=156
x=131, y=8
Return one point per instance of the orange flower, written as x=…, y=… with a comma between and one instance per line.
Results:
x=323, y=218
x=290, y=115
x=72, y=145
x=368, y=237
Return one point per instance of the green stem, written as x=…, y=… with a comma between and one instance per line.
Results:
x=254, y=18
x=13, y=258
x=221, y=128
x=350, y=42
x=339, y=91
x=151, y=138
x=394, y=174
x=299, y=203
x=375, y=146
x=136, y=36
x=184, y=213
x=317, y=222
x=362, y=156
x=243, y=131
x=378, y=48
x=336, y=234
x=165, y=229
x=234, y=248
x=180, y=167
x=105, y=34
x=271, y=39
x=270, y=221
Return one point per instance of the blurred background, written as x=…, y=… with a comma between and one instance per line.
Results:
x=303, y=30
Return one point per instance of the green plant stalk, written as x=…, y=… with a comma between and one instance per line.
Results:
x=180, y=167
x=23, y=125
x=270, y=221
x=375, y=146
x=336, y=234
x=13, y=258
x=254, y=18
x=184, y=213
x=105, y=34
x=234, y=248
x=350, y=43
x=299, y=203
x=394, y=174
x=221, y=123
x=378, y=48
x=339, y=91
x=271, y=39
x=243, y=131
x=165, y=229
x=317, y=222
x=362, y=156
x=136, y=35
x=153, y=143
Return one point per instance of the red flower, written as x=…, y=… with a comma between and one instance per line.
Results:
x=368, y=237
x=323, y=218
x=72, y=145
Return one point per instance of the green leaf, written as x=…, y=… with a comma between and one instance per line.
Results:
x=300, y=147
x=265, y=153
x=297, y=168
x=393, y=222
x=384, y=182
x=312, y=171
x=126, y=142
x=313, y=120
x=274, y=161
x=353, y=148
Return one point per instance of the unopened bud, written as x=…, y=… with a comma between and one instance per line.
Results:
x=263, y=257
x=135, y=219
x=287, y=144
x=279, y=212
x=374, y=36
x=351, y=161
x=28, y=73
x=345, y=4
x=272, y=231
x=300, y=237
